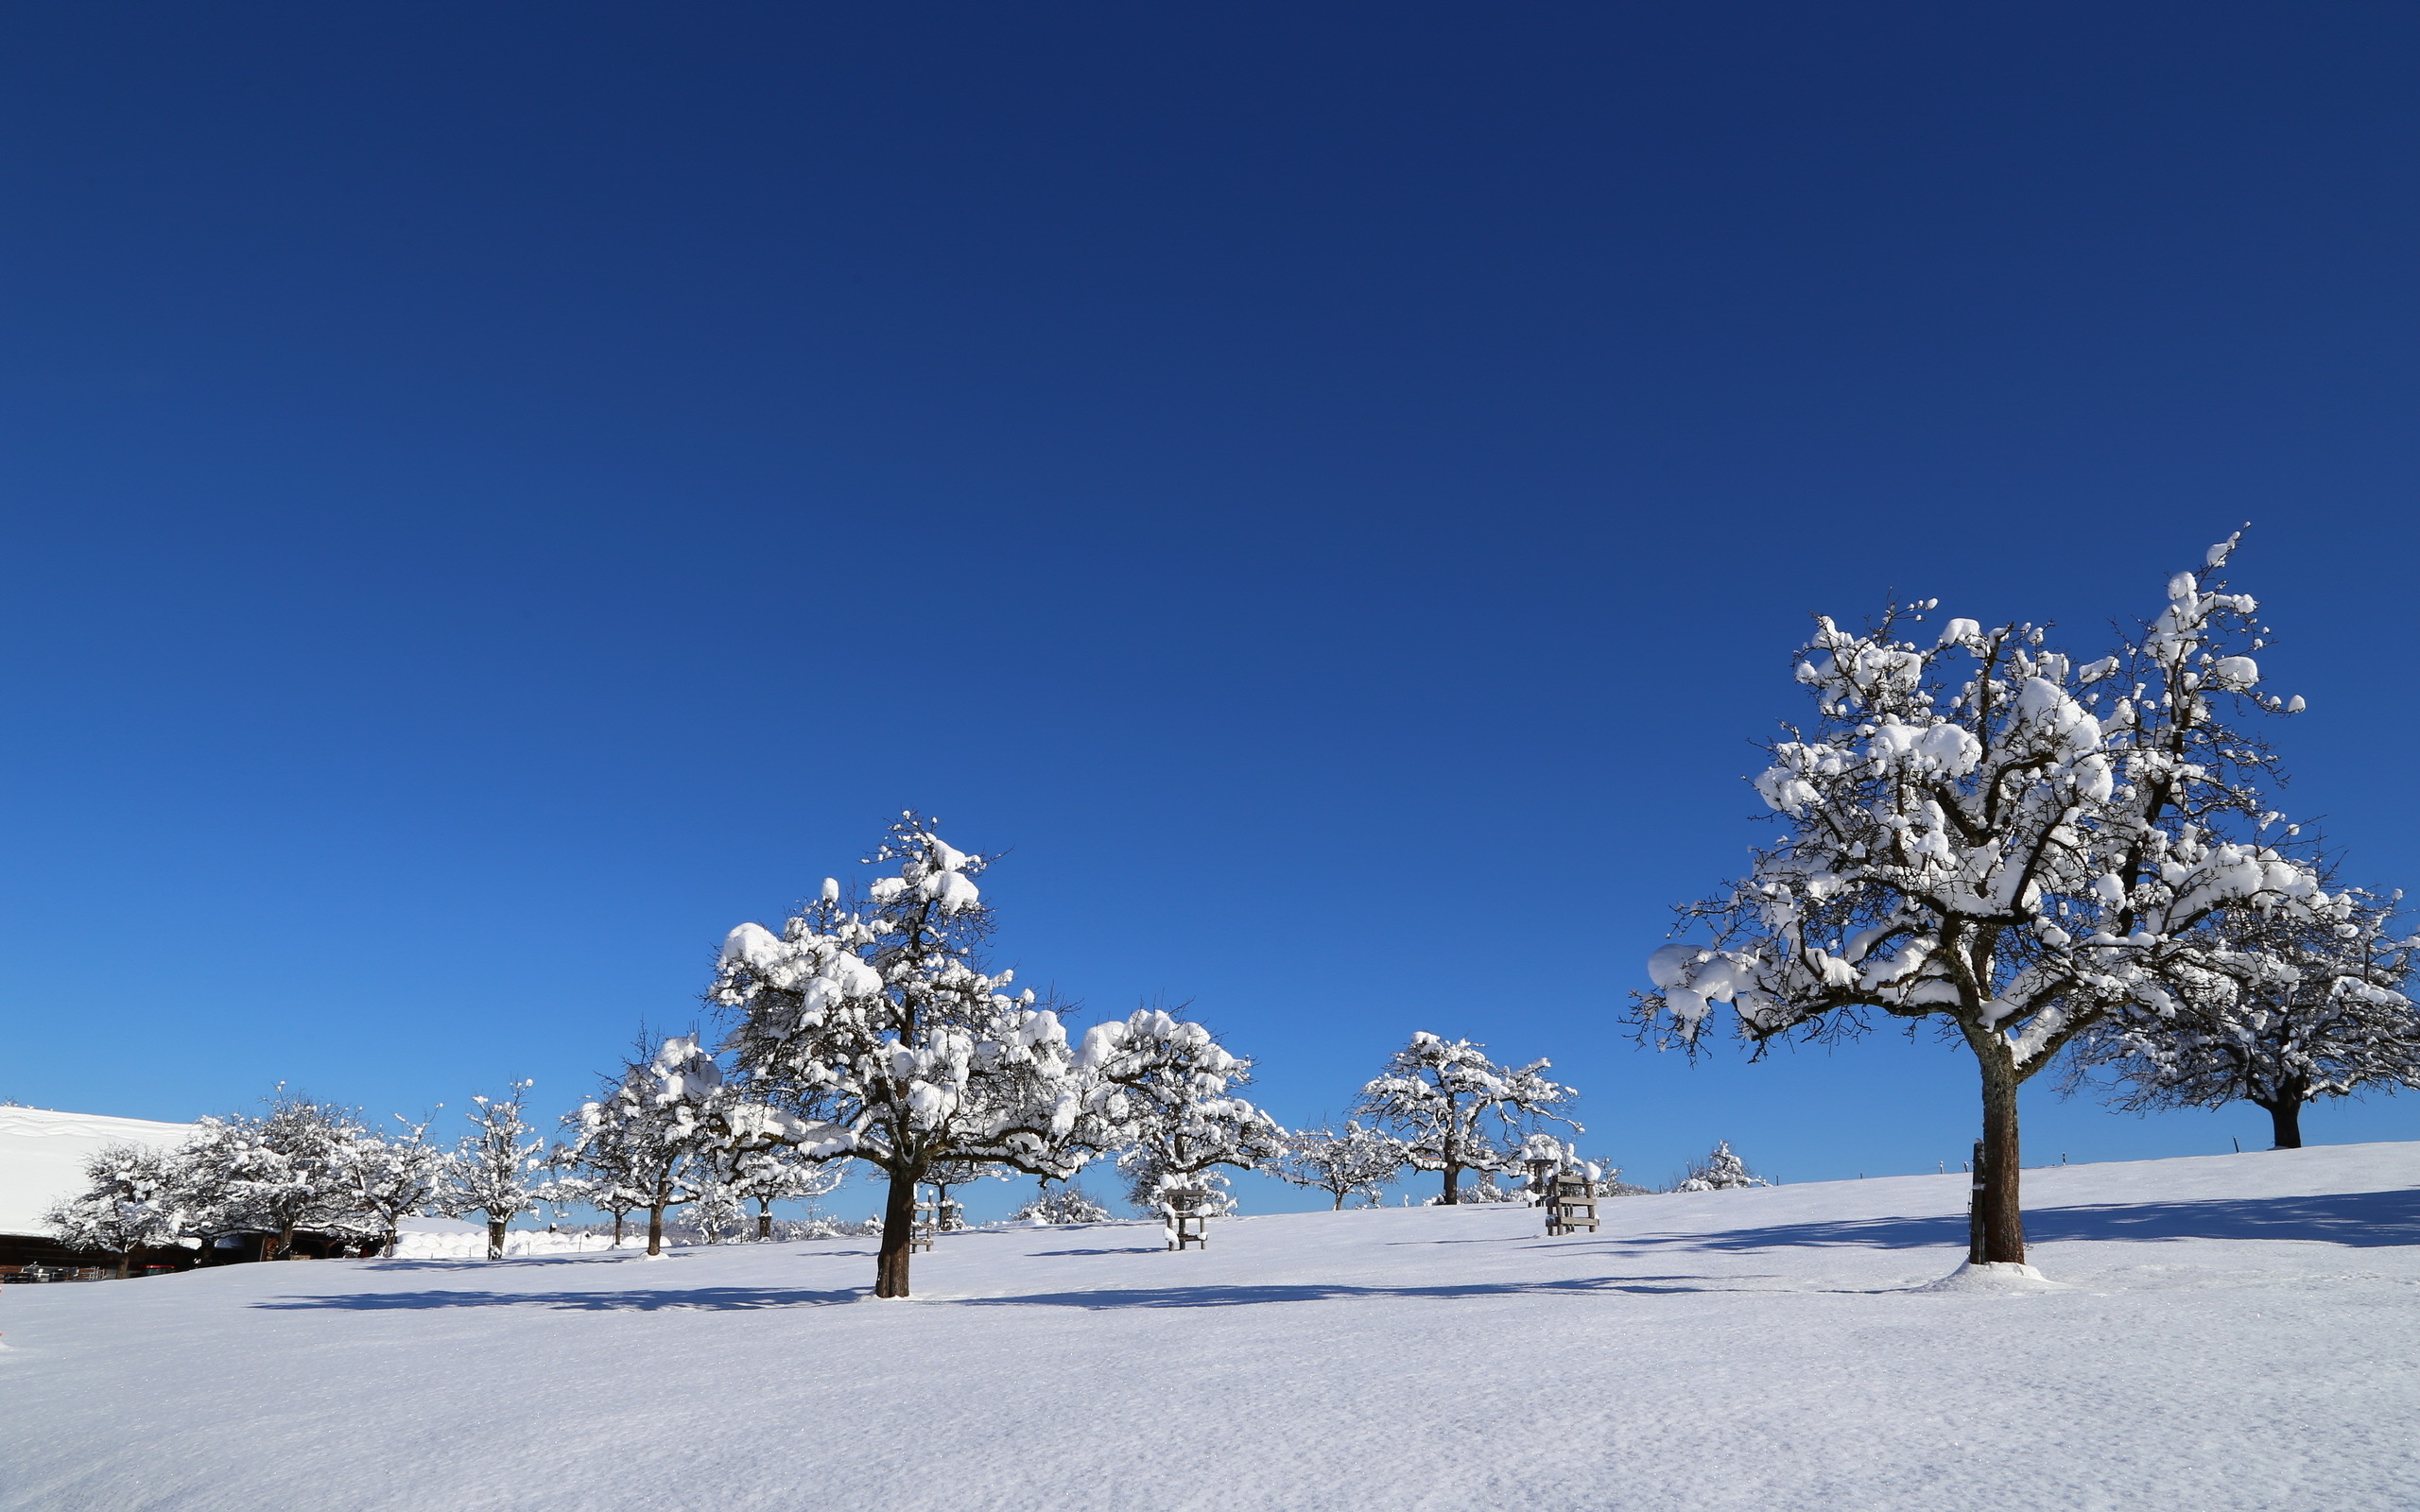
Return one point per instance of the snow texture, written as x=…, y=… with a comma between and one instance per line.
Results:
x=2229, y=1331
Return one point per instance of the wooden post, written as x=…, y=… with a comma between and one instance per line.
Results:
x=1974, y=1210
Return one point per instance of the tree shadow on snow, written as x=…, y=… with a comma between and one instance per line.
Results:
x=2359, y=1219
x=1157, y=1296
x=701, y=1299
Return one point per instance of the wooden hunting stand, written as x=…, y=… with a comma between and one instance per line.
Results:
x=928, y=1224
x=1188, y=1225
x=1571, y=1206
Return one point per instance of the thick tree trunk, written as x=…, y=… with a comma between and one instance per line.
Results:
x=2286, y=1118
x=1453, y=1184
x=495, y=1239
x=898, y=1230
x=387, y=1245
x=2002, y=1209
x=763, y=1219
x=655, y=1231
x=125, y=1264
x=284, y=1243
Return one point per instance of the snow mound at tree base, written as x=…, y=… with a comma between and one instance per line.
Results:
x=1995, y=1275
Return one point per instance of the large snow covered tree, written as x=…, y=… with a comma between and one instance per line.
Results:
x=1355, y=1162
x=497, y=1169
x=872, y=1025
x=1977, y=830
x=1161, y=1090
x=659, y=1131
x=2335, y=1017
x=284, y=1172
x=393, y=1177
x=131, y=1200
x=1457, y=1110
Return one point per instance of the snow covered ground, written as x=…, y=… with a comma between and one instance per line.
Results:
x=2236, y=1331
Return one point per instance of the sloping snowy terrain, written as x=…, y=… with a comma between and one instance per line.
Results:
x=2237, y=1331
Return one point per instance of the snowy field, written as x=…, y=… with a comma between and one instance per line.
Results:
x=2236, y=1331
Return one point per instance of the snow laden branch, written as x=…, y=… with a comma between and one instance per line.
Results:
x=1457, y=1110
x=2329, y=1014
x=868, y=1025
x=1981, y=830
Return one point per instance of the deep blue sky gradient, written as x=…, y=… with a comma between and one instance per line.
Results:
x=494, y=498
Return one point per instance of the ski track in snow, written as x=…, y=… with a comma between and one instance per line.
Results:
x=2234, y=1331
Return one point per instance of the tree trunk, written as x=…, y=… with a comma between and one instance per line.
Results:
x=763, y=1219
x=387, y=1247
x=898, y=1229
x=495, y=1238
x=655, y=1231
x=125, y=1264
x=2003, y=1211
x=284, y=1243
x=1453, y=1184
x=617, y=1229
x=1340, y=1203
x=2286, y=1118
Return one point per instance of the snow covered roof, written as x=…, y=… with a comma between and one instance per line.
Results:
x=42, y=1156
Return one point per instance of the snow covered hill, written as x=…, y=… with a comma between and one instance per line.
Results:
x=2237, y=1332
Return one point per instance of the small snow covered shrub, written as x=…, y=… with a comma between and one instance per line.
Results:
x=1069, y=1204
x=1722, y=1171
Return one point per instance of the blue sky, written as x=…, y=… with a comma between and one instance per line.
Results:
x=494, y=499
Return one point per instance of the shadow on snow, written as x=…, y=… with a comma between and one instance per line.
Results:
x=2361, y=1219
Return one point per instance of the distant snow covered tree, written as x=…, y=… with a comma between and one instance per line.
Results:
x=130, y=1201
x=284, y=1172
x=2333, y=1016
x=1970, y=835
x=1457, y=1110
x=1066, y=1204
x=392, y=1177
x=1720, y=1172
x=1161, y=1090
x=496, y=1169
x=945, y=1177
x=1357, y=1162
x=767, y=1174
x=658, y=1130
x=871, y=1025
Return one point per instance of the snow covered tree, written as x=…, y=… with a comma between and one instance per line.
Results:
x=871, y=1025
x=1971, y=836
x=1066, y=1204
x=2334, y=1017
x=391, y=1177
x=945, y=1177
x=1357, y=1162
x=130, y=1201
x=287, y=1171
x=1720, y=1172
x=1457, y=1110
x=1161, y=1092
x=658, y=1131
x=767, y=1174
x=496, y=1169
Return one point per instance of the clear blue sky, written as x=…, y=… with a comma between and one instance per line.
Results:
x=494, y=498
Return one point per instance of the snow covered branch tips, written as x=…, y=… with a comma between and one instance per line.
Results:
x=868, y=1025
x=1457, y=1110
x=1977, y=829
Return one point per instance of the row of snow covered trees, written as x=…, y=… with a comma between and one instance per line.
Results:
x=867, y=1028
x=2044, y=855
x=302, y=1167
